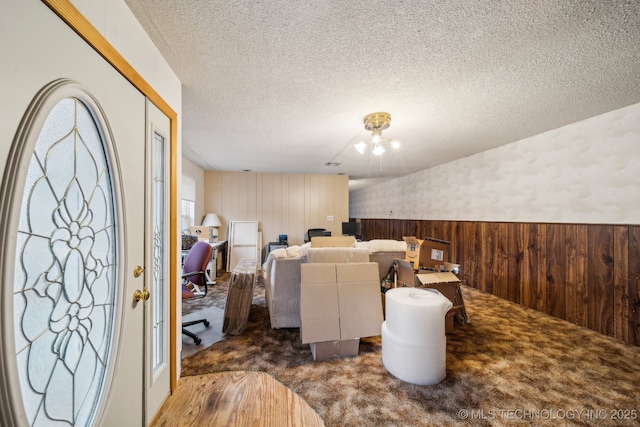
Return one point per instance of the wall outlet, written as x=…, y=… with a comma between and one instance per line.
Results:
x=329, y=217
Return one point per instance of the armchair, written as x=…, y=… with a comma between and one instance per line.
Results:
x=194, y=273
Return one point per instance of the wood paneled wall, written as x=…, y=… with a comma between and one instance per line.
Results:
x=586, y=274
x=282, y=203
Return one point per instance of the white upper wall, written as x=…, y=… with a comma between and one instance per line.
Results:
x=587, y=172
x=114, y=20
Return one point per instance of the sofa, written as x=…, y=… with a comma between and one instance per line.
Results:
x=281, y=272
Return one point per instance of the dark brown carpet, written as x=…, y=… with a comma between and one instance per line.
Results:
x=509, y=366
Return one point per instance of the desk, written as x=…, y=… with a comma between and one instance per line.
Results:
x=217, y=247
x=211, y=272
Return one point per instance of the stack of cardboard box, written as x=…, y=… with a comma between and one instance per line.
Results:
x=339, y=304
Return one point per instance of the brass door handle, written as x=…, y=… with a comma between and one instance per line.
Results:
x=140, y=295
x=137, y=272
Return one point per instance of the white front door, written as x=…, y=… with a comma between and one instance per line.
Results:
x=72, y=226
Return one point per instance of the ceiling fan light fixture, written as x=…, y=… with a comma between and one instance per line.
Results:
x=378, y=150
x=376, y=123
x=376, y=136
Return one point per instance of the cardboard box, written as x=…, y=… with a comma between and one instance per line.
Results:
x=318, y=272
x=448, y=321
x=339, y=303
x=338, y=255
x=333, y=242
x=203, y=232
x=405, y=274
x=359, y=299
x=331, y=349
x=427, y=253
x=447, y=284
x=319, y=315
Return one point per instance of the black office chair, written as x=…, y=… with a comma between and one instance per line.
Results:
x=194, y=280
x=315, y=232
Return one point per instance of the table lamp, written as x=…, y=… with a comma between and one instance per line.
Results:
x=212, y=221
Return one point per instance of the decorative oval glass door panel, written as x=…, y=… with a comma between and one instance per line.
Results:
x=65, y=287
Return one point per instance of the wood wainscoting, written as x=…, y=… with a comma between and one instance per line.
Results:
x=583, y=273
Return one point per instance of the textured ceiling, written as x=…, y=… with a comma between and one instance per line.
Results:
x=283, y=85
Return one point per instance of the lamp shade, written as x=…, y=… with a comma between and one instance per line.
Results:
x=211, y=220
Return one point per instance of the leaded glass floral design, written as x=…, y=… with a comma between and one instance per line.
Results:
x=159, y=255
x=65, y=272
